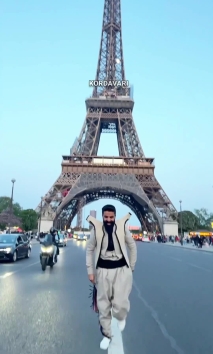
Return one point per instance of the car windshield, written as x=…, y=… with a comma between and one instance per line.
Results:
x=7, y=239
x=48, y=238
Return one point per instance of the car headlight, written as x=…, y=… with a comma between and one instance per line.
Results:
x=49, y=249
x=8, y=249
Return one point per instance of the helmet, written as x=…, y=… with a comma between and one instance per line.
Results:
x=53, y=231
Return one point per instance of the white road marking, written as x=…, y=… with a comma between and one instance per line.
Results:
x=201, y=268
x=116, y=345
x=176, y=259
x=8, y=274
x=192, y=265
x=161, y=326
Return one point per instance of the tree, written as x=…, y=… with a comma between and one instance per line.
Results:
x=190, y=221
x=29, y=219
x=204, y=218
x=2, y=226
x=5, y=204
x=199, y=220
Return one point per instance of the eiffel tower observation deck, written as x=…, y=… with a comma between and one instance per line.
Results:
x=129, y=178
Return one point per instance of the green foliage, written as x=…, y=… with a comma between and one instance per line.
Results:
x=190, y=221
x=204, y=218
x=136, y=232
x=199, y=220
x=2, y=226
x=5, y=204
x=29, y=219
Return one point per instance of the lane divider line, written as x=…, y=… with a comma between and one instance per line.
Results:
x=201, y=268
x=116, y=345
x=161, y=326
x=8, y=274
x=187, y=263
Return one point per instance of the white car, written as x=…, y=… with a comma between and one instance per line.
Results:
x=62, y=241
x=145, y=239
x=82, y=237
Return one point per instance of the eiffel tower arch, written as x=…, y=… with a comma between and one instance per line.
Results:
x=121, y=186
x=129, y=178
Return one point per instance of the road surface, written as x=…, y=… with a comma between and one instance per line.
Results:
x=171, y=305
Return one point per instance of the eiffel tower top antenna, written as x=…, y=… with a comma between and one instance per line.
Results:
x=110, y=61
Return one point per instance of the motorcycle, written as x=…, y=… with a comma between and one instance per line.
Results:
x=46, y=256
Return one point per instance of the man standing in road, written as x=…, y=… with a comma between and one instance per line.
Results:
x=112, y=273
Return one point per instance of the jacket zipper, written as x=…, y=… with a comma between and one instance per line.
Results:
x=100, y=247
x=120, y=245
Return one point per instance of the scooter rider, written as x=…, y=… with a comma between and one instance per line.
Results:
x=55, y=237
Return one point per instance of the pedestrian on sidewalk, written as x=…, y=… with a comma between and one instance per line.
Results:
x=112, y=273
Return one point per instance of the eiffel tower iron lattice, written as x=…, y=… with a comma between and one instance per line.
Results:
x=129, y=178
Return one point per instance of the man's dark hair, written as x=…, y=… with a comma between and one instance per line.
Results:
x=108, y=207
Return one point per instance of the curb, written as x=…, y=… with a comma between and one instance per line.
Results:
x=191, y=249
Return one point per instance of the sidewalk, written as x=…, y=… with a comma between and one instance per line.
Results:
x=190, y=247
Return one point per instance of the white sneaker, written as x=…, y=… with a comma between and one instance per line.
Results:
x=122, y=325
x=105, y=343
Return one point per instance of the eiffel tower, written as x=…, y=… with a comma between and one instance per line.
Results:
x=129, y=178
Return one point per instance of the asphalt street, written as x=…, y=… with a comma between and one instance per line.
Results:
x=171, y=304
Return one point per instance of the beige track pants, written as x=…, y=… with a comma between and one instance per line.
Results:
x=113, y=290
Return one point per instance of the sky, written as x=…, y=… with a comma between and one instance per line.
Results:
x=49, y=51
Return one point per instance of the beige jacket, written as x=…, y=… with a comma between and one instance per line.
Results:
x=123, y=237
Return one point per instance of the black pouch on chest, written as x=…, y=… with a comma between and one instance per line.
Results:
x=110, y=247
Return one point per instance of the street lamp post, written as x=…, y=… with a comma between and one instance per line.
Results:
x=11, y=205
x=39, y=227
x=83, y=217
x=162, y=223
x=181, y=222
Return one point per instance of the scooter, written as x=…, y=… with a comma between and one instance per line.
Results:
x=46, y=256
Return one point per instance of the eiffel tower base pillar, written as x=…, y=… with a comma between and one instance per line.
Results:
x=170, y=228
x=44, y=225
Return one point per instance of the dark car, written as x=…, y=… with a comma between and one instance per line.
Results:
x=14, y=246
